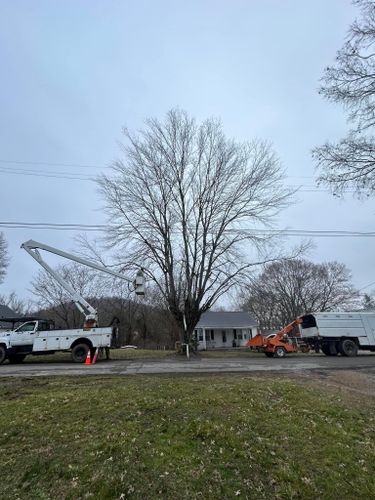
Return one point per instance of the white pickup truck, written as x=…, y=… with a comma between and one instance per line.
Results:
x=37, y=337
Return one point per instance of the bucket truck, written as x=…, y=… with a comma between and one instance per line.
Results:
x=38, y=337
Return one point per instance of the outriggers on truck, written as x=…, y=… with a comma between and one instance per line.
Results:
x=37, y=336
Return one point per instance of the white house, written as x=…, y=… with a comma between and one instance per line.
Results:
x=224, y=329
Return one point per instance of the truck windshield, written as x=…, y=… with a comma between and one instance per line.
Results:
x=308, y=321
x=27, y=327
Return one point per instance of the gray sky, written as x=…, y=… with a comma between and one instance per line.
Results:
x=74, y=72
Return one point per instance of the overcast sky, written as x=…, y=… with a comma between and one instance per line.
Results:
x=74, y=72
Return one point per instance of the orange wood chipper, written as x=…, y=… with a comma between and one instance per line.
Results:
x=277, y=345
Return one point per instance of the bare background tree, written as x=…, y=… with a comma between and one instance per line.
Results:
x=368, y=302
x=350, y=163
x=18, y=305
x=181, y=204
x=289, y=288
x=3, y=257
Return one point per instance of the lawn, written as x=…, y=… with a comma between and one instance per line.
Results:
x=208, y=437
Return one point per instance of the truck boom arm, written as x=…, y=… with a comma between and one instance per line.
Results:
x=32, y=247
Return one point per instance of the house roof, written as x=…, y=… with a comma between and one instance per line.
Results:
x=226, y=319
x=6, y=312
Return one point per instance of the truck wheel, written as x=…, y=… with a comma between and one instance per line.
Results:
x=269, y=354
x=329, y=349
x=348, y=348
x=279, y=352
x=79, y=353
x=3, y=354
x=16, y=358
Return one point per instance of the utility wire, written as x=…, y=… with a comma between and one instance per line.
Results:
x=252, y=231
x=52, y=164
x=366, y=286
x=50, y=175
x=301, y=188
x=37, y=171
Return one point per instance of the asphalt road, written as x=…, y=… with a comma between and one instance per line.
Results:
x=296, y=363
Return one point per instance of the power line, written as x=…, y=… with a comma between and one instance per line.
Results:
x=37, y=171
x=82, y=165
x=52, y=226
x=301, y=188
x=53, y=175
x=52, y=164
x=366, y=286
x=320, y=233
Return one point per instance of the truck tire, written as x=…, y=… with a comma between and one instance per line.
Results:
x=269, y=354
x=3, y=354
x=79, y=353
x=348, y=348
x=280, y=352
x=329, y=349
x=16, y=358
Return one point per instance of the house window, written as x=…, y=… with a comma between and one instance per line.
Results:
x=211, y=334
x=224, y=334
x=200, y=335
x=240, y=336
x=234, y=334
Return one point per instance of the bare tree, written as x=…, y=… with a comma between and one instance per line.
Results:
x=290, y=288
x=15, y=303
x=4, y=260
x=183, y=202
x=350, y=163
x=368, y=302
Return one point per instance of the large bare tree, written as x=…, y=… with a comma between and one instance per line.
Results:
x=182, y=203
x=350, y=163
x=3, y=257
x=290, y=288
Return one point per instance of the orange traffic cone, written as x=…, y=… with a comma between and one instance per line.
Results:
x=95, y=356
x=88, y=358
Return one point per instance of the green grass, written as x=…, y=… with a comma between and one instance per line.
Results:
x=174, y=438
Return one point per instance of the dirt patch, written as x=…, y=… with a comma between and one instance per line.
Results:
x=351, y=383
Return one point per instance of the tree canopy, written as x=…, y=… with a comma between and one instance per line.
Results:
x=350, y=163
x=182, y=202
x=290, y=288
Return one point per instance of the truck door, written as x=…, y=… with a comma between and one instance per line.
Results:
x=24, y=335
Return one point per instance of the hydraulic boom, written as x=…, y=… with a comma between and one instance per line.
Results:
x=91, y=315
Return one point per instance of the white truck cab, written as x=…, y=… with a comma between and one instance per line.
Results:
x=39, y=337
